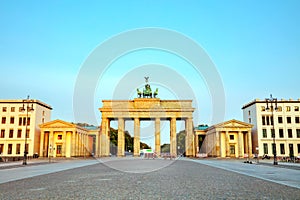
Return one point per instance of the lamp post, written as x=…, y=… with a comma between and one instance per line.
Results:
x=28, y=108
x=272, y=101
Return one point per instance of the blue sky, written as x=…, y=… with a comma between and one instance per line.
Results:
x=255, y=46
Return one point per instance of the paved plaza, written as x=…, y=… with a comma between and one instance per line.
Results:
x=131, y=178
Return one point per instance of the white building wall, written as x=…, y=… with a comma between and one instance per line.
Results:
x=257, y=112
x=11, y=109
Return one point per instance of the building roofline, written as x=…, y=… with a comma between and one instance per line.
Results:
x=18, y=101
x=264, y=101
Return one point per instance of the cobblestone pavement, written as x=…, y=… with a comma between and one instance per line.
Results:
x=179, y=180
x=281, y=173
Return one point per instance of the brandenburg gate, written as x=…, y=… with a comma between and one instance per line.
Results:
x=143, y=108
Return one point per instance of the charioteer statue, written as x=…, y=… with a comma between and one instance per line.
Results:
x=147, y=92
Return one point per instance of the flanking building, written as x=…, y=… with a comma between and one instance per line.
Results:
x=284, y=126
x=13, y=114
x=227, y=139
x=65, y=139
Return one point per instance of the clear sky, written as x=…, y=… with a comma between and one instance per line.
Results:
x=255, y=46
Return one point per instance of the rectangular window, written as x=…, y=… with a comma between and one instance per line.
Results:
x=24, y=121
x=271, y=120
x=2, y=134
x=282, y=151
x=18, y=149
x=27, y=133
x=59, y=137
x=281, y=133
x=268, y=120
x=288, y=120
x=12, y=109
x=11, y=133
x=9, y=150
x=12, y=120
x=298, y=145
x=272, y=133
x=288, y=108
x=264, y=133
x=1, y=148
x=298, y=133
x=20, y=121
x=4, y=109
x=28, y=121
x=279, y=120
x=296, y=108
x=265, y=148
x=297, y=120
x=290, y=133
x=3, y=120
x=263, y=120
x=19, y=135
x=249, y=120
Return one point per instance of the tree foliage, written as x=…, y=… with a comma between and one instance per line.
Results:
x=129, y=143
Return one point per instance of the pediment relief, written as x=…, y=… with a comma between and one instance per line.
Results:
x=57, y=124
x=233, y=124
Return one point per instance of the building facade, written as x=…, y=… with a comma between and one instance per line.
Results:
x=13, y=115
x=64, y=139
x=227, y=139
x=285, y=124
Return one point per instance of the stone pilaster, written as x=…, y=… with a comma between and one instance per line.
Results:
x=157, y=136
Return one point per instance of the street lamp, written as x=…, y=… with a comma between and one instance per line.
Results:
x=272, y=101
x=28, y=109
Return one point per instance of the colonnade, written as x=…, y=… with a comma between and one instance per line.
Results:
x=105, y=138
x=70, y=143
x=243, y=143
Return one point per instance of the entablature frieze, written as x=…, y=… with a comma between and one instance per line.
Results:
x=162, y=115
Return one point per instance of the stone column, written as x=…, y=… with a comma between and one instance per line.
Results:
x=64, y=146
x=136, y=145
x=173, y=143
x=51, y=153
x=189, y=144
x=157, y=136
x=227, y=144
x=103, y=137
x=42, y=145
x=121, y=142
x=76, y=144
x=240, y=144
x=249, y=144
x=73, y=144
x=218, y=149
x=107, y=134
